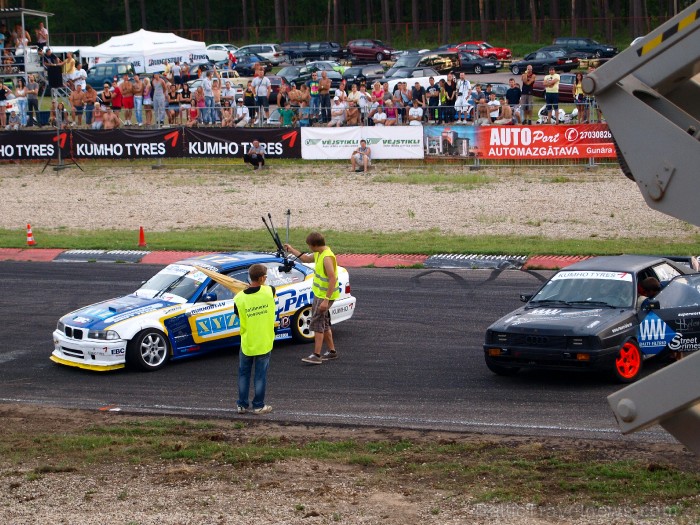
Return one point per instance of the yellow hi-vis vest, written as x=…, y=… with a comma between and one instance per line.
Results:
x=320, y=286
x=256, y=312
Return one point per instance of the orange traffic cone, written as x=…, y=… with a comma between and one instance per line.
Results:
x=142, y=238
x=30, y=236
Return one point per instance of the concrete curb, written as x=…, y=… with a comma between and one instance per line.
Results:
x=471, y=261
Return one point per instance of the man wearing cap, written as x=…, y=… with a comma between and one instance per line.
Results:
x=337, y=113
x=241, y=117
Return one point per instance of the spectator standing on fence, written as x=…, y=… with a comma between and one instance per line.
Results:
x=207, y=85
x=117, y=100
x=216, y=89
x=432, y=95
x=294, y=95
x=90, y=99
x=127, y=98
x=324, y=90
x=68, y=68
x=42, y=36
x=249, y=100
x=263, y=88
x=77, y=100
x=176, y=71
x=580, y=99
x=528, y=79
x=33, y=101
x=138, y=87
x=513, y=95
x=551, y=95
x=21, y=98
x=185, y=100
x=148, y=101
x=159, y=88
x=80, y=76
x=314, y=95
x=464, y=89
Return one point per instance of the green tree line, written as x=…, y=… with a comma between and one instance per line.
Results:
x=396, y=21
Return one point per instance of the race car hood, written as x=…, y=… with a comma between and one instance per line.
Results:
x=101, y=316
x=563, y=321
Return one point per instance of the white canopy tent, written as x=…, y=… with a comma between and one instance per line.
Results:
x=149, y=51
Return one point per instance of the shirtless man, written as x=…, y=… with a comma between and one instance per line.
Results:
x=77, y=100
x=138, y=86
x=110, y=120
x=127, y=99
x=483, y=116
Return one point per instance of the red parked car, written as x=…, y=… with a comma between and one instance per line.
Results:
x=485, y=50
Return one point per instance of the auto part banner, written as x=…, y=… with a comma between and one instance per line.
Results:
x=140, y=144
x=385, y=142
x=563, y=141
x=34, y=145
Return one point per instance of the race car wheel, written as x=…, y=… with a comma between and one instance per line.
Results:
x=515, y=70
x=501, y=370
x=628, y=363
x=477, y=70
x=148, y=351
x=301, y=332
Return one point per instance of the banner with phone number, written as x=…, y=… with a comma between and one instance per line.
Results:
x=563, y=141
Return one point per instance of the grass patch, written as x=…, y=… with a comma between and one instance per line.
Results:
x=421, y=242
x=463, y=180
x=486, y=472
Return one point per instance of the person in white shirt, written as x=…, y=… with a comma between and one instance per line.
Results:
x=228, y=93
x=242, y=116
x=415, y=114
x=464, y=89
x=80, y=76
x=494, y=107
x=337, y=113
x=379, y=117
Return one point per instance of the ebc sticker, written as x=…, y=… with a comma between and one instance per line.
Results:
x=654, y=334
x=216, y=325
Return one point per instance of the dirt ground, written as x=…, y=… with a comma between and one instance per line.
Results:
x=290, y=491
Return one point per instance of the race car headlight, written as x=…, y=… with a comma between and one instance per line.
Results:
x=60, y=326
x=105, y=335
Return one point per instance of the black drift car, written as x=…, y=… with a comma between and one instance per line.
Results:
x=587, y=316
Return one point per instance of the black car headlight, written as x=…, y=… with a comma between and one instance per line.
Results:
x=103, y=335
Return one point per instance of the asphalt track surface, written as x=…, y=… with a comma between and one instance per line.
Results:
x=411, y=357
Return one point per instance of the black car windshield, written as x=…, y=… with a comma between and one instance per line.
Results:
x=587, y=288
x=683, y=291
x=176, y=282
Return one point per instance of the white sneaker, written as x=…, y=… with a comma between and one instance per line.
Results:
x=262, y=410
x=140, y=124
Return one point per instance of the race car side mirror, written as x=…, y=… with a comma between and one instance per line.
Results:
x=525, y=297
x=208, y=297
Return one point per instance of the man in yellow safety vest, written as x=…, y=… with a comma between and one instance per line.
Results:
x=325, y=289
x=255, y=308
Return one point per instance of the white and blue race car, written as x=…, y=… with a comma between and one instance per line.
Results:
x=180, y=312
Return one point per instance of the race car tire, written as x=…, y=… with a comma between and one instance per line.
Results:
x=148, y=351
x=301, y=332
x=501, y=370
x=628, y=363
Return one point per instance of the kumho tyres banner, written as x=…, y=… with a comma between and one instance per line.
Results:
x=386, y=142
x=127, y=144
x=142, y=144
x=564, y=141
x=279, y=143
x=34, y=145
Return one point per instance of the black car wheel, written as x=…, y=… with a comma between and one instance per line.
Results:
x=598, y=54
x=515, y=69
x=148, y=351
x=501, y=370
x=301, y=332
x=628, y=363
x=379, y=57
x=477, y=70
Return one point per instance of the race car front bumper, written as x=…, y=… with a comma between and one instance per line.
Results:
x=89, y=354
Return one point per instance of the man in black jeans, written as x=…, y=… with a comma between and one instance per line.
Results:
x=255, y=155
